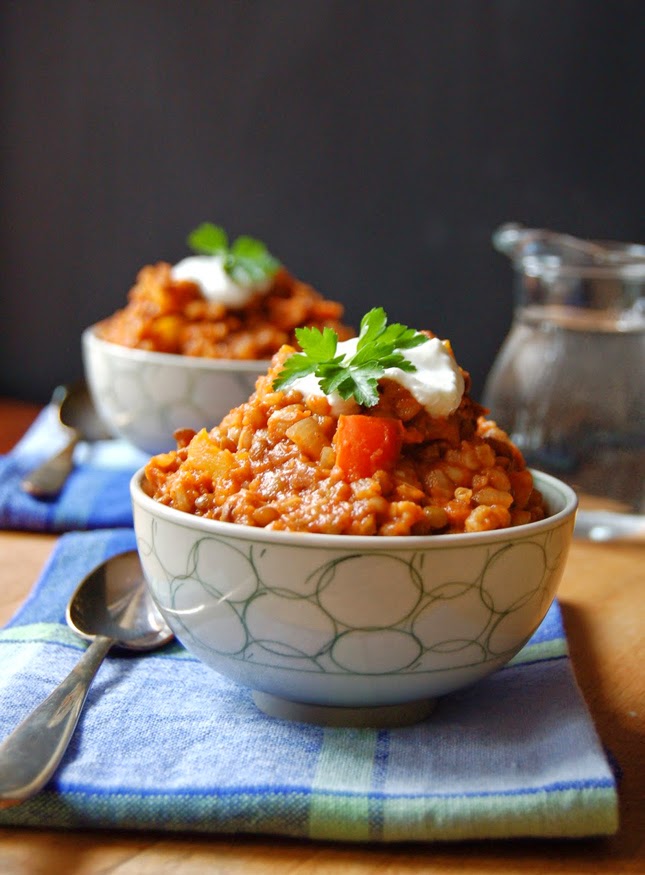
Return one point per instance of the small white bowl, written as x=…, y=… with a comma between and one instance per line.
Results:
x=145, y=396
x=352, y=630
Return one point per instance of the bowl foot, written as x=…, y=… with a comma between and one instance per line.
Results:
x=378, y=717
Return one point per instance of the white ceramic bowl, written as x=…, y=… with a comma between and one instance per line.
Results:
x=144, y=396
x=352, y=629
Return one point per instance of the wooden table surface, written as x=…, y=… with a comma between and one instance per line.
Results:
x=602, y=603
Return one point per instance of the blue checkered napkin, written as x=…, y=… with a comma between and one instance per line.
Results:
x=165, y=743
x=96, y=494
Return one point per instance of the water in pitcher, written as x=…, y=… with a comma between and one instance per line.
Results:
x=568, y=382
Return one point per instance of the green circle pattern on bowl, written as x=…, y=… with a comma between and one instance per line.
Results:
x=259, y=621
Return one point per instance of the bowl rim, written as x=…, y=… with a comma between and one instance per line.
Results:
x=89, y=337
x=370, y=543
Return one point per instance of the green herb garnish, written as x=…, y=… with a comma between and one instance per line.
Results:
x=247, y=261
x=378, y=348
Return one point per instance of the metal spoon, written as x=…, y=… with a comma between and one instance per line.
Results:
x=112, y=606
x=79, y=421
x=604, y=526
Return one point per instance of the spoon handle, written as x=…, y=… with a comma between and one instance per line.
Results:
x=31, y=754
x=47, y=480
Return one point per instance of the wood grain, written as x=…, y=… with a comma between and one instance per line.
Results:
x=602, y=601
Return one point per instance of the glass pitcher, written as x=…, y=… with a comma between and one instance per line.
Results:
x=567, y=384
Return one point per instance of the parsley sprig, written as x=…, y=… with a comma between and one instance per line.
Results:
x=379, y=347
x=247, y=261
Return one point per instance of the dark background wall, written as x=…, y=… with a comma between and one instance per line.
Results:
x=373, y=144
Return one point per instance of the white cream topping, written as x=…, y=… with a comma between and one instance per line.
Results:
x=437, y=384
x=207, y=271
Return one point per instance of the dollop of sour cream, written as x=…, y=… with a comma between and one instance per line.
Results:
x=437, y=384
x=207, y=271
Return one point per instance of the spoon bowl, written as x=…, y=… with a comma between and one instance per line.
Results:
x=77, y=411
x=114, y=601
x=78, y=421
x=112, y=607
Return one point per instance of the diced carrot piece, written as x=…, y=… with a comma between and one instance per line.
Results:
x=366, y=444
